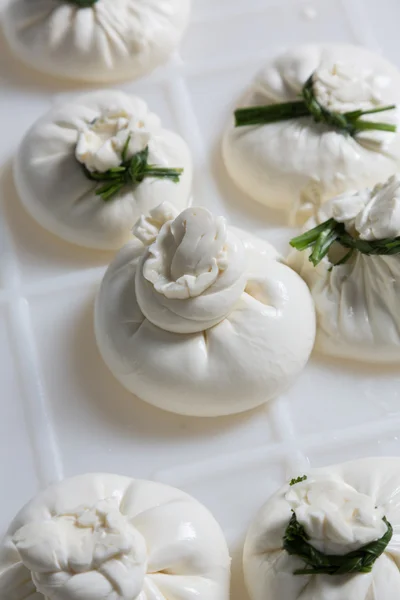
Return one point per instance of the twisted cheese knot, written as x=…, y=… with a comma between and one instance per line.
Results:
x=337, y=518
x=93, y=549
x=193, y=273
x=102, y=142
x=369, y=214
x=339, y=87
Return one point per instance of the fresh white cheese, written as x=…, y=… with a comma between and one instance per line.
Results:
x=380, y=217
x=107, y=41
x=298, y=164
x=357, y=302
x=194, y=258
x=101, y=143
x=91, y=131
x=111, y=537
x=202, y=319
x=335, y=516
x=369, y=214
x=341, y=509
x=341, y=87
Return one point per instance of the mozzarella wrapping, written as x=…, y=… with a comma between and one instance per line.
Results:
x=202, y=319
x=357, y=302
x=193, y=273
x=334, y=515
x=102, y=143
x=341, y=508
x=298, y=164
x=112, y=537
x=109, y=41
x=91, y=131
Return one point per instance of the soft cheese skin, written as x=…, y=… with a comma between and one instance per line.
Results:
x=201, y=319
x=49, y=168
x=342, y=504
x=116, y=538
x=357, y=302
x=112, y=40
x=333, y=514
x=102, y=143
x=193, y=273
x=296, y=165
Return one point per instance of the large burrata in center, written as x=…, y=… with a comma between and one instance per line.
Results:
x=202, y=319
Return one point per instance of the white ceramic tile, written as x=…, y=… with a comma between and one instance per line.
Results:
x=238, y=37
x=98, y=424
x=352, y=448
x=331, y=395
x=382, y=19
x=207, y=9
x=19, y=111
x=17, y=468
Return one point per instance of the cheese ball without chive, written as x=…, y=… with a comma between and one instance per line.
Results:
x=331, y=534
x=109, y=537
x=69, y=174
x=95, y=40
x=201, y=319
x=298, y=164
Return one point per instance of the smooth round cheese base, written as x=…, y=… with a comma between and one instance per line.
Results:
x=112, y=537
x=55, y=191
x=357, y=303
x=296, y=165
x=342, y=514
x=110, y=41
x=213, y=343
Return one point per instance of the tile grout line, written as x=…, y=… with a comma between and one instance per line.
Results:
x=294, y=458
x=183, y=110
x=354, y=433
x=57, y=284
x=190, y=130
x=40, y=430
x=279, y=450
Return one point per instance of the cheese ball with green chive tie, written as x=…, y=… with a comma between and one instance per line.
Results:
x=202, y=319
x=101, y=536
x=95, y=40
x=329, y=534
x=349, y=256
x=90, y=167
x=317, y=120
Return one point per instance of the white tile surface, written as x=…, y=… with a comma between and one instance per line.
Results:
x=331, y=395
x=98, y=425
x=18, y=471
x=62, y=411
